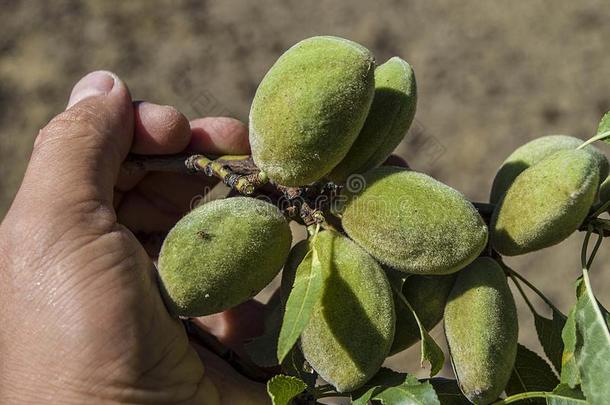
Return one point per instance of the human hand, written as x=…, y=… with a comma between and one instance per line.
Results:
x=82, y=316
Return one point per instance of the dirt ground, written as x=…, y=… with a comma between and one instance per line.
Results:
x=491, y=76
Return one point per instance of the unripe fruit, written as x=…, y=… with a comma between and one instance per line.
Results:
x=481, y=328
x=387, y=122
x=351, y=328
x=427, y=296
x=222, y=254
x=535, y=151
x=412, y=222
x=309, y=109
x=546, y=203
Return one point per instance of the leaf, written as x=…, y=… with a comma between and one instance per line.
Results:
x=569, y=368
x=390, y=387
x=549, y=335
x=262, y=350
x=593, y=357
x=383, y=379
x=604, y=126
x=305, y=293
x=412, y=392
x=530, y=373
x=430, y=350
x=448, y=391
x=564, y=395
x=282, y=389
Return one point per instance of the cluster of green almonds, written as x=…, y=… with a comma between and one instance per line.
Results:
x=323, y=112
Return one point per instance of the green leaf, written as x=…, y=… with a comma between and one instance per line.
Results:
x=262, y=350
x=448, y=391
x=530, y=373
x=569, y=368
x=564, y=395
x=430, y=350
x=390, y=387
x=383, y=379
x=549, y=335
x=411, y=392
x=282, y=389
x=593, y=357
x=305, y=293
x=604, y=126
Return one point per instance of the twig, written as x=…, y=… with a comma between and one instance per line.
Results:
x=242, y=366
x=238, y=172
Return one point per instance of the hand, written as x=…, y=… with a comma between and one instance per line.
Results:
x=81, y=315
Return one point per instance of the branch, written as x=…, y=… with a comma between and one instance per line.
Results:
x=238, y=172
x=241, y=174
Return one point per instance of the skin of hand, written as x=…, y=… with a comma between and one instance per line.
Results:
x=82, y=319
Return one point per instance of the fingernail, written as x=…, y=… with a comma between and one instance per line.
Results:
x=97, y=83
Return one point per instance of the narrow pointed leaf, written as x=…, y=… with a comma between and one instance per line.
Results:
x=430, y=350
x=604, y=126
x=305, y=294
x=448, y=391
x=530, y=373
x=549, y=335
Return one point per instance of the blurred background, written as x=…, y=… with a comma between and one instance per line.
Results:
x=491, y=76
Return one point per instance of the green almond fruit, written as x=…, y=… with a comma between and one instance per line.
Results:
x=535, y=151
x=427, y=296
x=412, y=222
x=222, y=254
x=351, y=328
x=546, y=203
x=481, y=328
x=387, y=122
x=309, y=109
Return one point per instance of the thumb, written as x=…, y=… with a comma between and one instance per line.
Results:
x=77, y=156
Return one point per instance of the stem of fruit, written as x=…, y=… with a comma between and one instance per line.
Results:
x=512, y=272
x=521, y=397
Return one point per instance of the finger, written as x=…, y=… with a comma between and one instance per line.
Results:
x=235, y=326
x=159, y=130
x=77, y=156
x=219, y=136
x=395, y=160
x=154, y=206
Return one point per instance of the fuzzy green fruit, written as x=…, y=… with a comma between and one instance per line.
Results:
x=427, y=296
x=481, y=328
x=222, y=254
x=412, y=222
x=387, y=122
x=535, y=151
x=546, y=203
x=309, y=109
x=351, y=328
